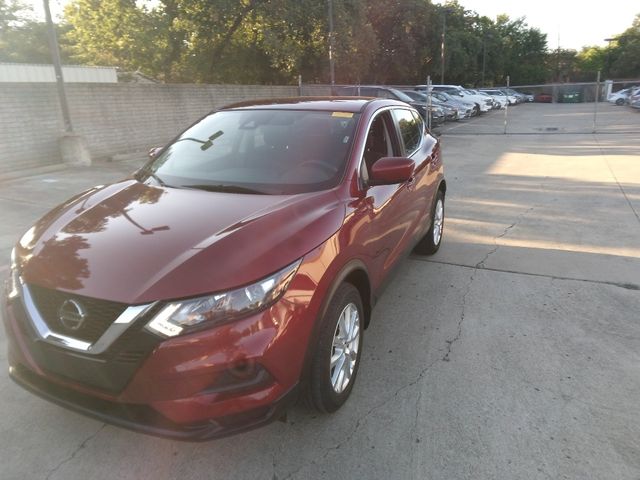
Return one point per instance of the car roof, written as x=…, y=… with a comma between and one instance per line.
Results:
x=342, y=104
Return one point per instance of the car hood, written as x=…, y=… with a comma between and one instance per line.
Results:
x=135, y=243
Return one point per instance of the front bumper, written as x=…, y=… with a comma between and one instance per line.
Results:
x=203, y=385
x=144, y=419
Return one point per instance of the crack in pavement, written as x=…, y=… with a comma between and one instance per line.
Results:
x=347, y=438
x=75, y=452
x=273, y=466
x=445, y=358
x=626, y=286
x=463, y=312
x=481, y=263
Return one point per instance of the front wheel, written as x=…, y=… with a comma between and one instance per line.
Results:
x=337, y=355
x=620, y=101
x=430, y=243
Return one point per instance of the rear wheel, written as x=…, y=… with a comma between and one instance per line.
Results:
x=430, y=243
x=337, y=356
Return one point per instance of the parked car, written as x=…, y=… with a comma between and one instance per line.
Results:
x=482, y=104
x=383, y=92
x=467, y=109
x=528, y=96
x=621, y=96
x=437, y=114
x=634, y=98
x=512, y=96
x=498, y=96
x=233, y=272
x=495, y=105
x=543, y=98
x=451, y=113
x=519, y=97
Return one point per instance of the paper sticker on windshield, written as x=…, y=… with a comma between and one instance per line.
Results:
x=342, y=114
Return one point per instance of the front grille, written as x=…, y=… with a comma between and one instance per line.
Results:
x=109, y=372
x=100, y=313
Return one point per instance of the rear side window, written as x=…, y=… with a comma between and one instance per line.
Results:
x=410, y=127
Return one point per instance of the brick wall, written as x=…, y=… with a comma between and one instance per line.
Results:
x=113, y=118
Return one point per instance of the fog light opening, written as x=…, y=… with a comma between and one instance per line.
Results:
x=244, y=369
x=243, y=375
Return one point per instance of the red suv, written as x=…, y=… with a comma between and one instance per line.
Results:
x=236, y=270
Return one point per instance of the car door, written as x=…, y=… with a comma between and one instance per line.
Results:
x=387, y=218
x=418, y=144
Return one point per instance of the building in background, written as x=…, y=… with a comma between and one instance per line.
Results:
x=40, y=73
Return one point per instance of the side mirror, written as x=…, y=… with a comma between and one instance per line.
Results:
x=391, y=170
x=153, y=152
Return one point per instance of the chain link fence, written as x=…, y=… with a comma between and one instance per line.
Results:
x=561, y=108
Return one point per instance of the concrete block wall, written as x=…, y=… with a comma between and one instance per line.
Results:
x=30, y=123
x=113, y=118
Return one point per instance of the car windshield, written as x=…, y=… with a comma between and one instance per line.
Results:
x=278, y=152
x=401, y=96
x=449, y=97
x=417, y=96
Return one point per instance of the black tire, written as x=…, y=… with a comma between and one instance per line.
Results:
x=620, y=101
x=321, y=394
x=428, y=244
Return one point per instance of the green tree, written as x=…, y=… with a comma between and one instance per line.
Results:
x=109, y=32
x=272, y=41
x=24, y=40
x=590, y=60
x=625, y=54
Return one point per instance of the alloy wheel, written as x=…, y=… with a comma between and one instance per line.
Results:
x=438, y=220
x=344, y=348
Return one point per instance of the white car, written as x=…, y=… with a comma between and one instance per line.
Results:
x=621, y=96
x=498, y=96
x=483, y=104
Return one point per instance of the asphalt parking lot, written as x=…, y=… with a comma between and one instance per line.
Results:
x=513, y=353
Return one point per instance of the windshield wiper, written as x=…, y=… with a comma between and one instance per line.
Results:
x=150, y=173
x=157, y=179
x=225, y=189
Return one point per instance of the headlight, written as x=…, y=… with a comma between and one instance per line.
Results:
x=176, y=317
x=13, y=287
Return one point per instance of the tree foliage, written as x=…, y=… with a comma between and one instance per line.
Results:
x=274, y=41
x=23, y=39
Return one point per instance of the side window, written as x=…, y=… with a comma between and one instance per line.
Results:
x=410, y=130
x=420, y=122
x=378, y=143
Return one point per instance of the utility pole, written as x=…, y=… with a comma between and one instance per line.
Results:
x=55, y=56
x=332, y=66
x=73, y=148
x=484, y=57
x=444, y=30
x=595, y=106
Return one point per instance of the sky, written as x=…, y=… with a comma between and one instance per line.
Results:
x=569, y=23
x=576, y=23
